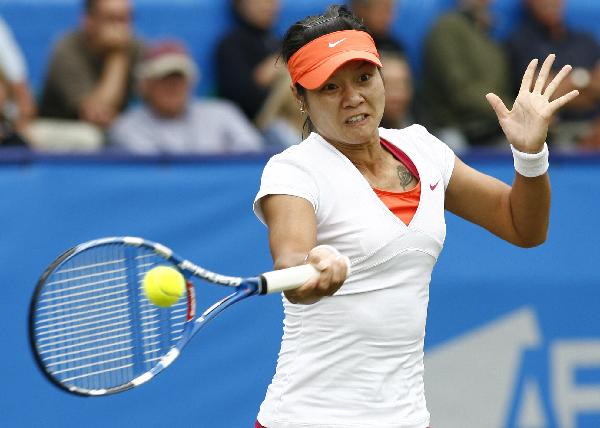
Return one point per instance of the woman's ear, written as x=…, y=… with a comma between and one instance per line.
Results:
x=295, y=92
x=299, y=98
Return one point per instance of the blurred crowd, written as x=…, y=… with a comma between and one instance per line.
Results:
x=105, y=88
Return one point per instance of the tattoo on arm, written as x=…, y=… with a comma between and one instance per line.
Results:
x=405, y=177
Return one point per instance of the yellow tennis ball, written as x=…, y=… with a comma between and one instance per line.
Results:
x=163, y=285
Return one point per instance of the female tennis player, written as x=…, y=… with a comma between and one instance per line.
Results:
x=352, y=347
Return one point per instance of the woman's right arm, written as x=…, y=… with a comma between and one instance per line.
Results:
x=292, y=239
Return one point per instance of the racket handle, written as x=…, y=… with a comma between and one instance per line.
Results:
x=287, y=279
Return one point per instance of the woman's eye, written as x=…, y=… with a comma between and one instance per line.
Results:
x=364, y=77
x=329, y=87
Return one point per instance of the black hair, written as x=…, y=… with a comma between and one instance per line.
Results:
x=335, y=18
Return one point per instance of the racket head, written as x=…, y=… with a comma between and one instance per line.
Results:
x=91, y=328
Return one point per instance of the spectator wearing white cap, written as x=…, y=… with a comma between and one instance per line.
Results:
x=170, y=120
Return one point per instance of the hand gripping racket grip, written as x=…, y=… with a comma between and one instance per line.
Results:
x=287, y=279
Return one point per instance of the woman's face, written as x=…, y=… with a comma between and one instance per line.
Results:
x=348, y=107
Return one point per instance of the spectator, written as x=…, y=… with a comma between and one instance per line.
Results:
x=90, y=76
x=280, y=118
x=377, y=15
x=246, y=56
x=397, y=78
x=544, y=31
x=461, y=64
x=169, y=121
x=17, y=106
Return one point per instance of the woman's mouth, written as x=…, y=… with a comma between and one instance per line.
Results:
x=358, y=118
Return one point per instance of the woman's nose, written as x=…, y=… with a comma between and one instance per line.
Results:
x=352, y=97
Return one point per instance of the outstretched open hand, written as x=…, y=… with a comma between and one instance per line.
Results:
x=526, y=125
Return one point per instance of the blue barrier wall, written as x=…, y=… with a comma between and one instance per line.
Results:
x=513, y=334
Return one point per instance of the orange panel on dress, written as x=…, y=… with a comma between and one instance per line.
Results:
x=403, y=204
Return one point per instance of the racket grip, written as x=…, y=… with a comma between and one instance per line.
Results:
x=287, y=279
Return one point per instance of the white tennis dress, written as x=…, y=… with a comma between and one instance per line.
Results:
x=355, y=359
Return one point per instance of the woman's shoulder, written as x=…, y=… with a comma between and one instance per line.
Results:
x=303, y=149
x=415, y=138
x=411, y=133
x=309, y=154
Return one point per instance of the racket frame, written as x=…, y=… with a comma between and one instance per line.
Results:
x=245, y=287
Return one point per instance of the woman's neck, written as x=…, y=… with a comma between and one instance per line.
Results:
x=366, y=156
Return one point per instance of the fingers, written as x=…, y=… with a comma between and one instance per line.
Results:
x=497, y=105
x=544, y=73
x=340, y=271
x=559, y=102
x=333, y=270
x=528, y=76
x=557, y=81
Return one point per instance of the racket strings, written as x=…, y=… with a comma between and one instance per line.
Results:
x=161, y=328
x=94, y=327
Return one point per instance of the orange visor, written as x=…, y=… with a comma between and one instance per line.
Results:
x=316, y=61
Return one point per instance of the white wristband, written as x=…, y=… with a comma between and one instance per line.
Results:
x=531, y=164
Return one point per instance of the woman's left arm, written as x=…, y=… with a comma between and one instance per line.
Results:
x=517, y=214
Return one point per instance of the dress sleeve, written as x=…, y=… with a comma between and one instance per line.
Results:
x=283, y=176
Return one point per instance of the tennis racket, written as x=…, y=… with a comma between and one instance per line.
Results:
x=92, y=330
